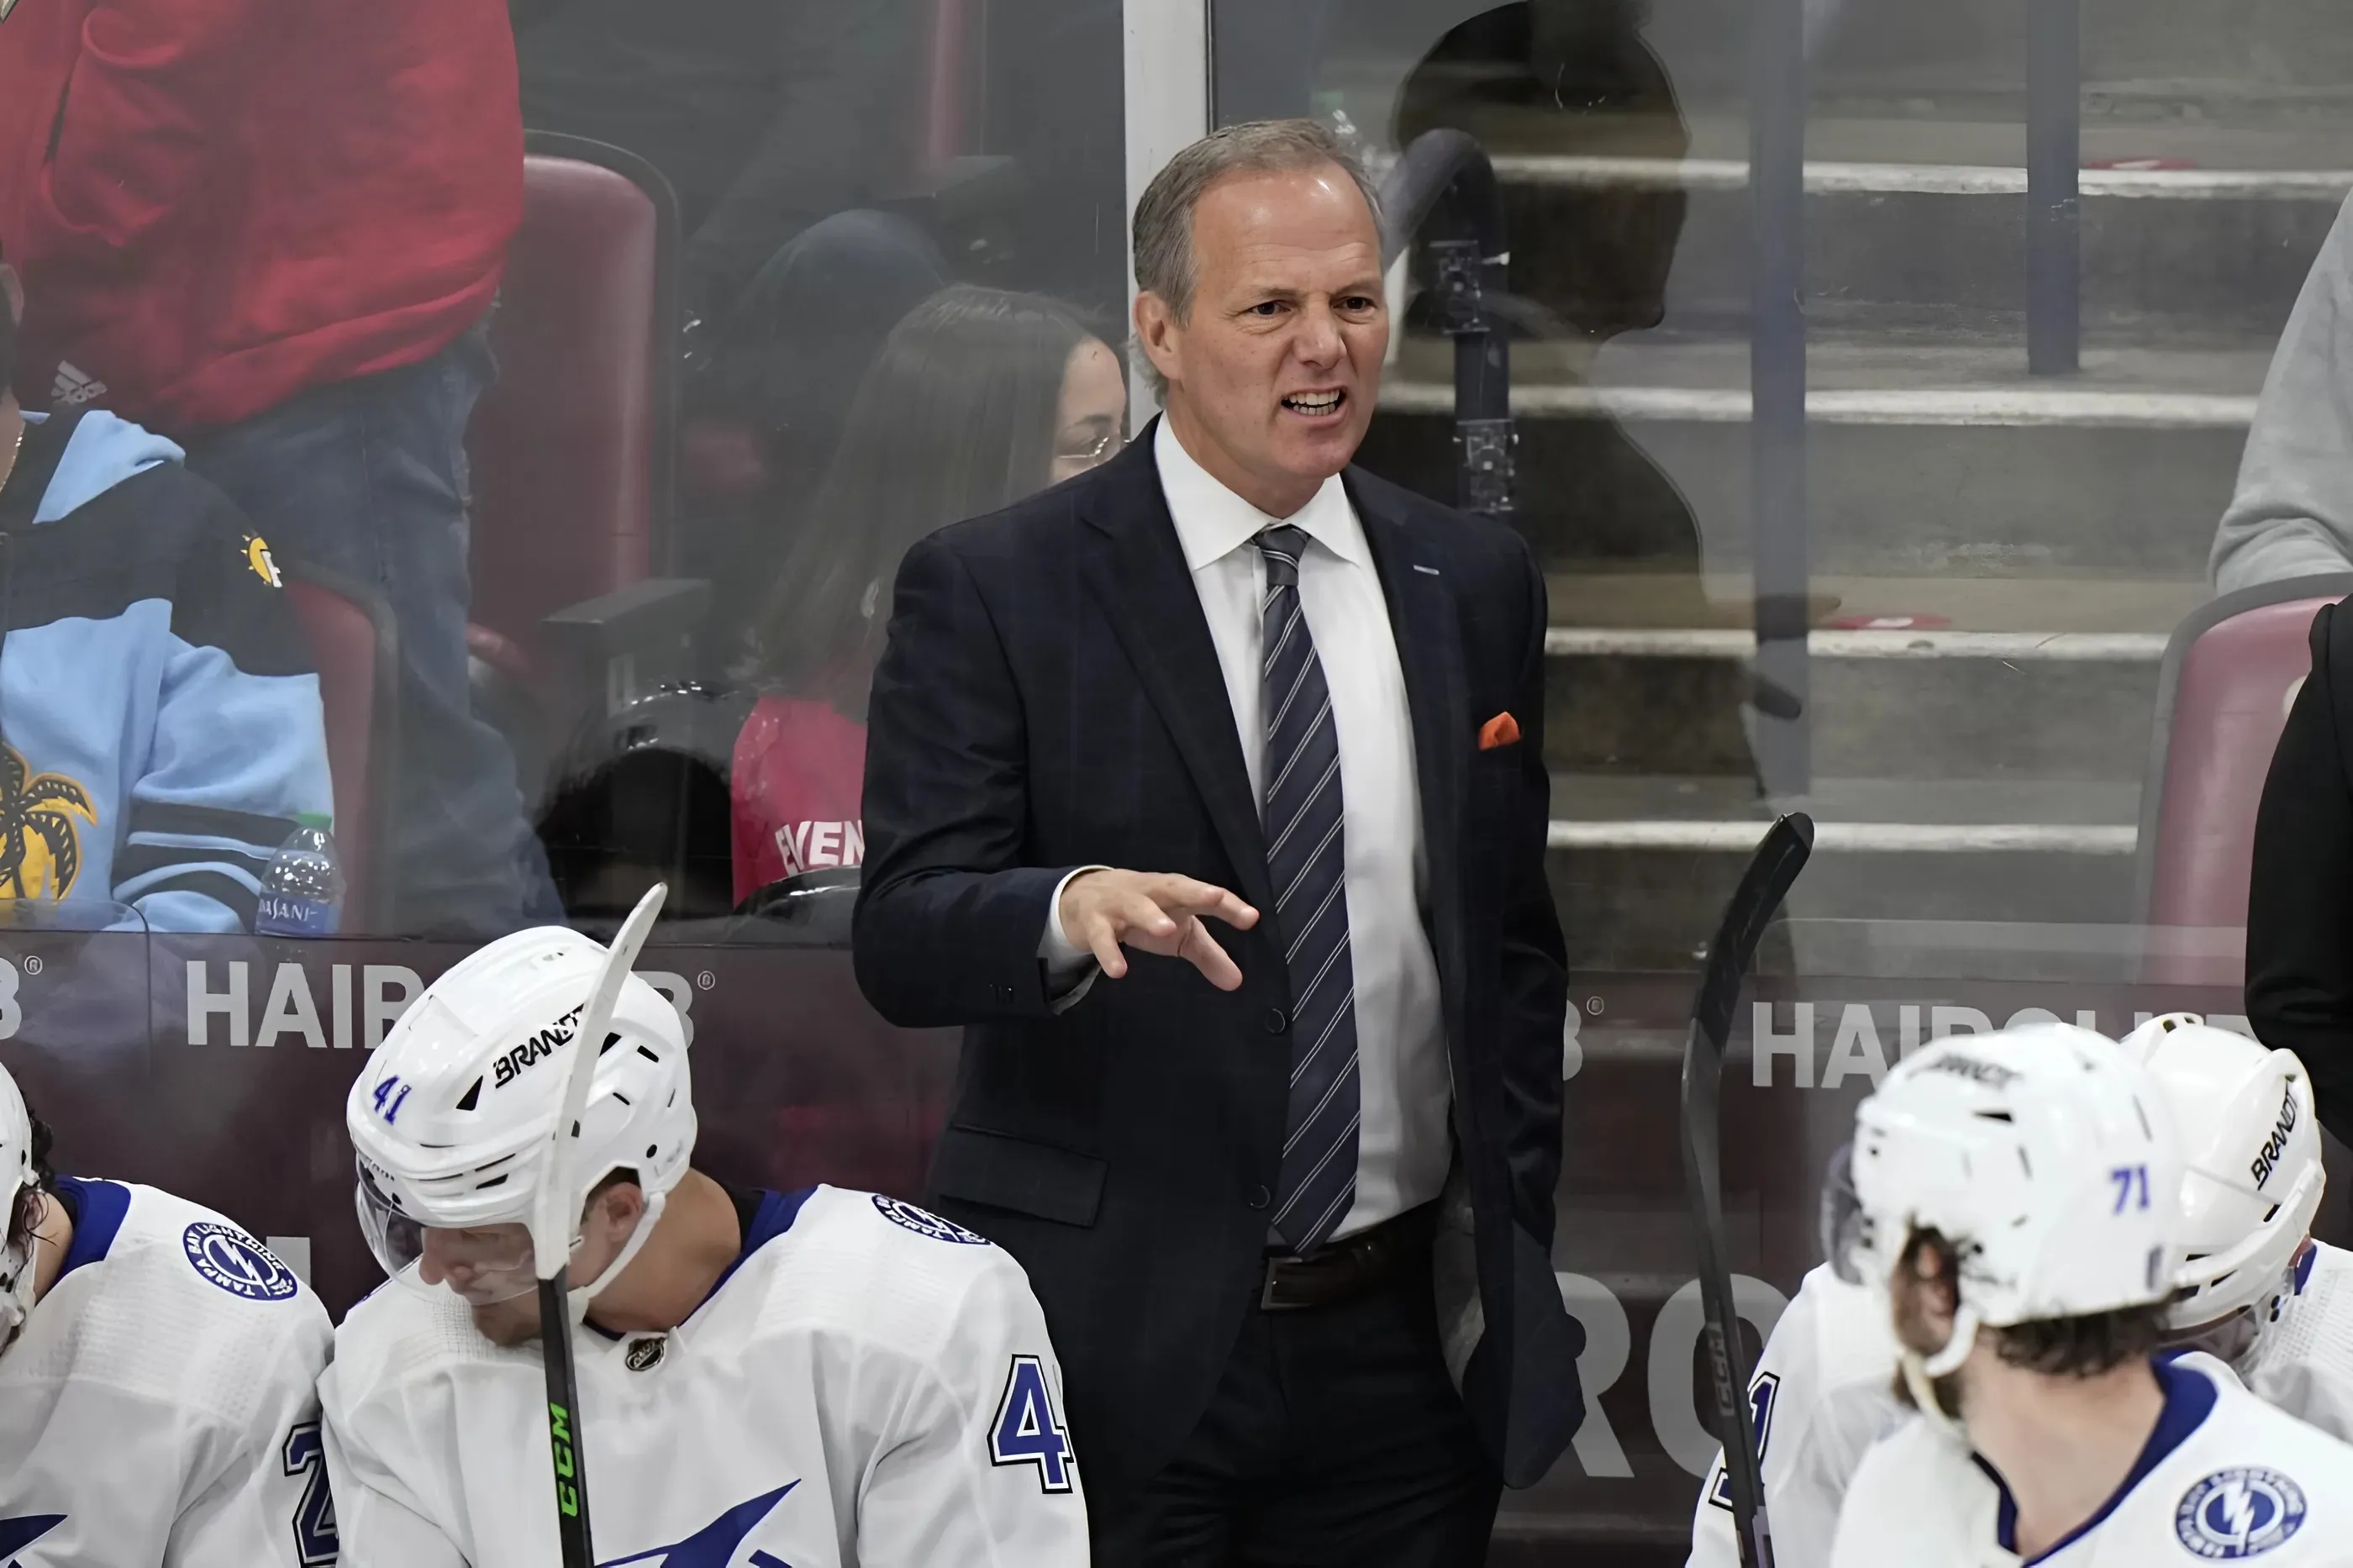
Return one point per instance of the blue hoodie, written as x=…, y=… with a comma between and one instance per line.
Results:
x=160, y=720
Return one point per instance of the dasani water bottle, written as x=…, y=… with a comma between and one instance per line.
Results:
x=302, y=894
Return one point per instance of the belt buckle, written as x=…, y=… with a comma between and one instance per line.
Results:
x=1267, y=1302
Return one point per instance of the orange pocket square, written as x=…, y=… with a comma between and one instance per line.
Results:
x=1503, y=729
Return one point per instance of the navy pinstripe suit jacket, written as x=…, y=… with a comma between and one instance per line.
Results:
x=1049, y=698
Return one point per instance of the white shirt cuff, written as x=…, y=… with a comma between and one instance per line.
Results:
x=1071, y=969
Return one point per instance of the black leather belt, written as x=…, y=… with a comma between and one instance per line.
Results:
x=1340, y=1270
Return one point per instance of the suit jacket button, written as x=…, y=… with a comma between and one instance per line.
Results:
x=1260, y=1197
x=1277, y=1020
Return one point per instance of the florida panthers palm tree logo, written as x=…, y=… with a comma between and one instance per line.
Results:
x=40, y=843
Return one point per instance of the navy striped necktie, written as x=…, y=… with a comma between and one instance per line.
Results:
x=1306, y=853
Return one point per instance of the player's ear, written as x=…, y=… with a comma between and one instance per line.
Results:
x=619, y=1207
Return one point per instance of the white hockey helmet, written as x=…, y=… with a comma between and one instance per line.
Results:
x=2047, y=1158
x=16, y=1174
x=453, y=1117
x=2251, y=1147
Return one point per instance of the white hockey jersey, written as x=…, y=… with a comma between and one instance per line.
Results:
x=869, y=1386
x=2224, y=1477
x=2304, y=1363
x=1822, y=1395
x=160, y=1409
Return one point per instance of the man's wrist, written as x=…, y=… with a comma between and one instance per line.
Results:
x=1065, y=960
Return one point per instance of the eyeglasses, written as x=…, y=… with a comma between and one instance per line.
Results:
x=1095, y=453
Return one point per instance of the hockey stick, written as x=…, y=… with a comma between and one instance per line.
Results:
x=1763, y=885
x=554, y=1218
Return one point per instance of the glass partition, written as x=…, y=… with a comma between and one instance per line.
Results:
x=1881, y=378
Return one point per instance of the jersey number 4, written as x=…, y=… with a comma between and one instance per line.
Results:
x=314, y=1517
x=1761, y=1394
x=1029, y=1430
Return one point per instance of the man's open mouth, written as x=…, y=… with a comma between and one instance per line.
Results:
x=1316, y=404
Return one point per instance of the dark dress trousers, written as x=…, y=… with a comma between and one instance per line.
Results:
x=1050, y=698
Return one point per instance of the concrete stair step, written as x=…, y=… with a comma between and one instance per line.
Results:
x=1979, y=697
x=1942, y=367
x=1640, y=867
x=2202, y=248
x=1885, y=500
x=1929, y=454
x=1653, y=908
x=2187, y=220
x=1684, y=606
x=1857, y=815
x=2152, y=56
x=1920, y=718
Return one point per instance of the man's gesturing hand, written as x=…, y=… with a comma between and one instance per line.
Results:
x=1158, y=911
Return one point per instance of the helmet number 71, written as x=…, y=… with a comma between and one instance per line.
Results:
x=2130, y=1179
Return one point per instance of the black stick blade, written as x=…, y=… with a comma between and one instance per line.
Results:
x=1771, y=871
x=1780, y=856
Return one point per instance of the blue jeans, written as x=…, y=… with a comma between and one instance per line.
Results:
x=369, y=479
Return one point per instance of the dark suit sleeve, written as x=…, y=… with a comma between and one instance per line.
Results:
x=2300, y=896
x=948, y=919
x=1535, y=962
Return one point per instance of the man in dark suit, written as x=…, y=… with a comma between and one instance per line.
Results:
x=1207, y=793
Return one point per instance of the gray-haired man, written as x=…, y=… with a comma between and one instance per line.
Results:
x=1207, y=793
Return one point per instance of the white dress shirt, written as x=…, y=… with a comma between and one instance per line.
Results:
x=1403, y=1145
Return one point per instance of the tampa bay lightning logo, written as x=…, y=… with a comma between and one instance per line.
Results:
x=2239, y=1512
x=925, y=1223
x=236, y=1263
x=713, y=1546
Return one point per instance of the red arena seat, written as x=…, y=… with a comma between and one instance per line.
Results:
x=2223, y=692
x=574, y=450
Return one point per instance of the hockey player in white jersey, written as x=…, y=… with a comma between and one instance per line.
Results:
x=822, y=1380
x=2015, y=1201
x=2256, y=1290
x=158, y=1372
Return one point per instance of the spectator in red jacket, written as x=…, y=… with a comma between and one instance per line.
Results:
x=979, y=398
x=272, y=230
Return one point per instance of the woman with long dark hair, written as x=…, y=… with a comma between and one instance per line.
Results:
x=979, y=398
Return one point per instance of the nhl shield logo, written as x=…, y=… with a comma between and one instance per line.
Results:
x=646, y=1354
x=2239, y=1512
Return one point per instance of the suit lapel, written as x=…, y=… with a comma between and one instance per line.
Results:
x=1413, y=564
x=1137, y=569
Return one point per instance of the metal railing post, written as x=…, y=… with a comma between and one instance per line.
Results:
x=1776, y=379
x=2054, y=205
x=1444, y=182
